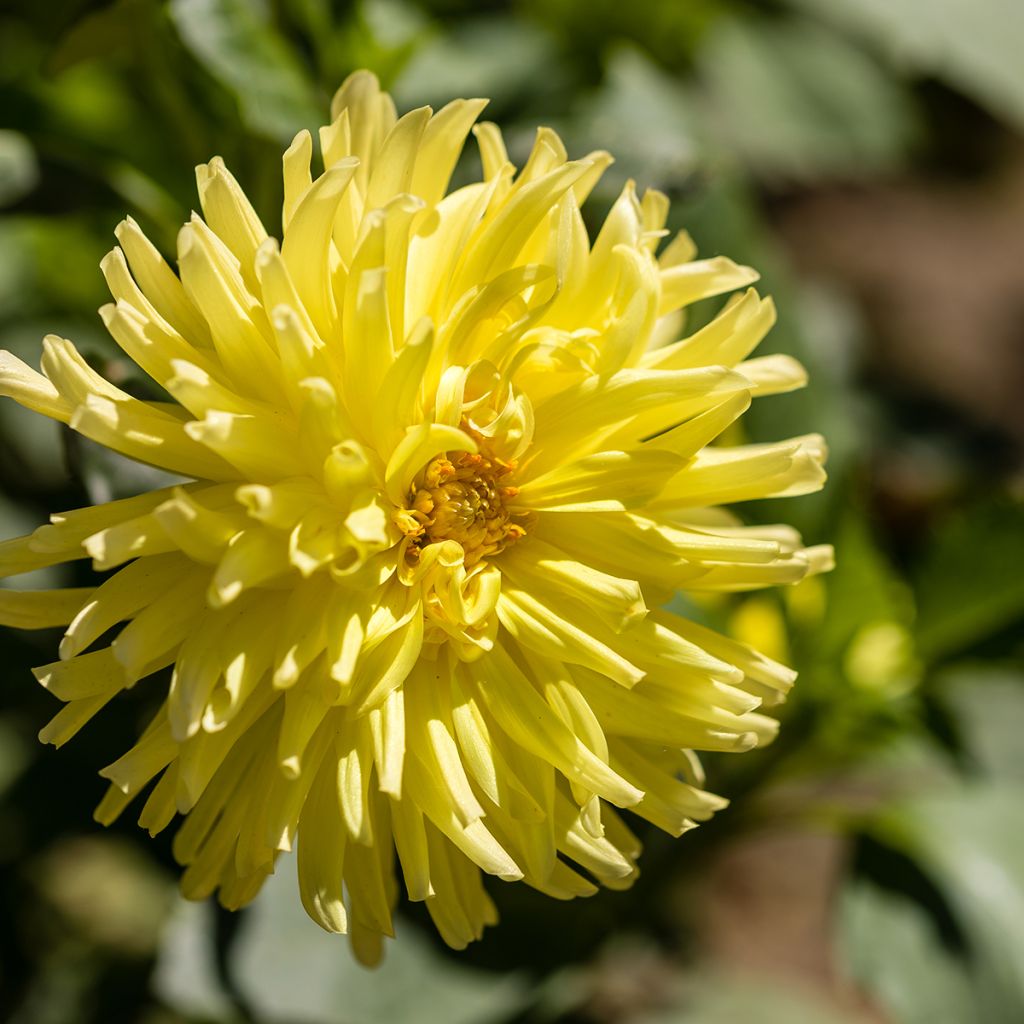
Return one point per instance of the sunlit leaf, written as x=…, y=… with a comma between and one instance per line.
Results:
x=986, y=703
x=185, y=976
x=645, y=117
x=236, y=42
x=795, y=101
x=504, y=58
x=894, y=952
x=969, y=841
x=48, y=266
x=973, y=46
x=731, y=998
x=290, y=971
x=970, y=585
x=19, y=171
x=111, y=29
x=863, y=590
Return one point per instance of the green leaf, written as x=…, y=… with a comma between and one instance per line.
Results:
x=969, y=585
x=969, y=841
x=185, y=975
x=972, y=45
x=289, y=970
x=863, y=589
x=795, y=101
x=395, y=24
x=645, y=118
x=111, y=29
x=15, y=753
x=893, y=951
x=236, y=42
x=19, y=170
x=987, y=704
x=377, y=34
x=728, y=998
x=49, y=264
x=501, y=57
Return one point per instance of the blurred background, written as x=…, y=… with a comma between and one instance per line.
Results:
x=868, y=157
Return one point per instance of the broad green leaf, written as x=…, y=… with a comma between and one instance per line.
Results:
x=864, y=591
x=185, y=975
x=970, y=585
x=972, y=45
x=49, y=266
x=796, y=101
x=89, y=103
x=892, y=950
x=140, y=143
x=500, y=57
x=237, y=43
x=645, y=118
x=395, y=23
x=969, y=841
x=19, y=171
x=290, y=971
x=111, y=29
x=730, y=998
x=987, y=704
x=378, y=34
x=666, y=29
x=15, y=752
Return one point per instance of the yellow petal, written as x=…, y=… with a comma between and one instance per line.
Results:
x=631, y=404
x=439, y=149
x=540, y=628
x=32, y=389
x=773, y=375
x=230, y=214
x=41, y=609
x=606, y=481
x=297, y=179
x=88, y=675
x=411, y=843
x=549, y=574
x=306, y=244
x=392, y=171
x=163, y=624
x=719, y=476
x=20, y=555
x=321, y=855
x=160, y=284
x=210, y=276
x=371, y=115
x=687, y=282
x=531, y=723
x=727, y=339
x=198, y=531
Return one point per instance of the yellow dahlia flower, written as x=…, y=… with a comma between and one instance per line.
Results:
x=446, y=463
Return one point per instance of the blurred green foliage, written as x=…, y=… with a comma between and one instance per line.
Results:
x=902, y=737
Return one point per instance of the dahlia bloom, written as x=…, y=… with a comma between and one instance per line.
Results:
x=446, y=462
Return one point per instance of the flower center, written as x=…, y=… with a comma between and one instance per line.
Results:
x=461, y=496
